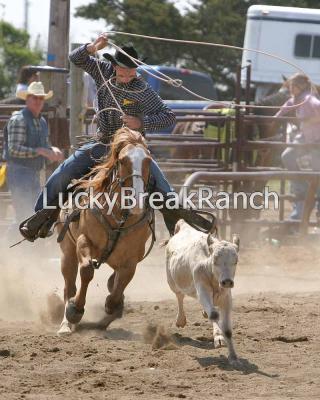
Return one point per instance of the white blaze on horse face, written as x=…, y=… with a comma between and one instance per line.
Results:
x=136, y=156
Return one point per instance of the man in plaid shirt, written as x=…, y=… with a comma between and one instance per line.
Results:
x=143, y=110
x=26, y=148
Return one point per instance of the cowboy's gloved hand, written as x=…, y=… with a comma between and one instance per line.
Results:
x=58, y=153
x=49, y=154
x=132, y=122
x=100, y=43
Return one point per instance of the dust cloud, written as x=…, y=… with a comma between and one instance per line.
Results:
x=30, y=272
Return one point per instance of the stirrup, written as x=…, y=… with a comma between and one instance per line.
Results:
x=38, y=225
x=194, y=218
x=26, y=234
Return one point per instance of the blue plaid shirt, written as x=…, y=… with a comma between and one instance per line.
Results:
x=143, y=102
x=17, y=137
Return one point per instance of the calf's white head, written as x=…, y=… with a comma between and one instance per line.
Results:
x=224, y=259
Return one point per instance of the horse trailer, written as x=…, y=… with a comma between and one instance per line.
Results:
x=287, y=32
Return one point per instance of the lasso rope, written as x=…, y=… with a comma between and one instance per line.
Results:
x=167, y=79
x=177, y=82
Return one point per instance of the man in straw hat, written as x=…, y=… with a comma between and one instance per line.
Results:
x=26, y=149
x=143, y=110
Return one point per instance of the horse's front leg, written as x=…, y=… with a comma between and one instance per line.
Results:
x=116, y=285
x=75, y=307
x=69, y=269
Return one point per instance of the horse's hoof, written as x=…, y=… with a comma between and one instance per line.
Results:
x=64, y=330
x=111, y=317
x=116, y=314
x=112, y=308
x=73, y=315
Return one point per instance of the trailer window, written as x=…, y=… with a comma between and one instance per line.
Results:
x=316, y=47
x=302, y=46
x=307, y=46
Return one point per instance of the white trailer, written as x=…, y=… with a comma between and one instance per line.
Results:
x=288, y=32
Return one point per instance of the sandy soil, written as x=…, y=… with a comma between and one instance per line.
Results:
x=276, y=332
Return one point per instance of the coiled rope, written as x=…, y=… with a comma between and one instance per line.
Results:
x=177, y=82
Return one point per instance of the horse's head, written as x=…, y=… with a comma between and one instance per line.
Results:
x=129, y=159
x=133, y=161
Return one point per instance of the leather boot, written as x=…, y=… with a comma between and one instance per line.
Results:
x=39, y=224
x=192, y=217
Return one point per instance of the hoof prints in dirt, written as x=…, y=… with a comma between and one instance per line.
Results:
x=129, y=365
x=5, y=353
x=290, y=340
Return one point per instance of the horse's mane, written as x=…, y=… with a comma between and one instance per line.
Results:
x=99, y=175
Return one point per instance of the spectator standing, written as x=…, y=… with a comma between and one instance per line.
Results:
x=27, y=148
x=308, y=113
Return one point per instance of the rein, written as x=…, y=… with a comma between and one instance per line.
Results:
x=115, y=233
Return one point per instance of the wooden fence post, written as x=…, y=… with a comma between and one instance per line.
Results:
x=76, y=96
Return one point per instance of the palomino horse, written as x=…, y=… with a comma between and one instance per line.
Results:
x=116, y=237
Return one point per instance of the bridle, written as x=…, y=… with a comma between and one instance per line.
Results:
x=115, y=233
x=134, y=174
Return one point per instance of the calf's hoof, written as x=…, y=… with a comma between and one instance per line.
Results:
x=73, y=315
x=181, y=322
x=204, y=314
x=218, y=341
x=214, y=316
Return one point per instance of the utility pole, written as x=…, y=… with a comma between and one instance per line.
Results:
x=58, y=50
x=26, y=15
x=1, y=30
x=76, y=100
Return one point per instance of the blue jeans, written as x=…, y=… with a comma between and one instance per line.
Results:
x=299, y=188
x=24, y=185
x=79, y=164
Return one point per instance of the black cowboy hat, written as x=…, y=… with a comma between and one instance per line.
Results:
x=121, y=59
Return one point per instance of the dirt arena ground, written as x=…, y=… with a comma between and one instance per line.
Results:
x=276, y=332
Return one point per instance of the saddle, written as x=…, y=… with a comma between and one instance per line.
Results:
x=113, y=233
x=72, y=216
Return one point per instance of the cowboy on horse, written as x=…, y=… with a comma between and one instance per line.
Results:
x=141, y=110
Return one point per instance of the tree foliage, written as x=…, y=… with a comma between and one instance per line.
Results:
x=14, y=53
x=147, y=17
x=214, y=21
